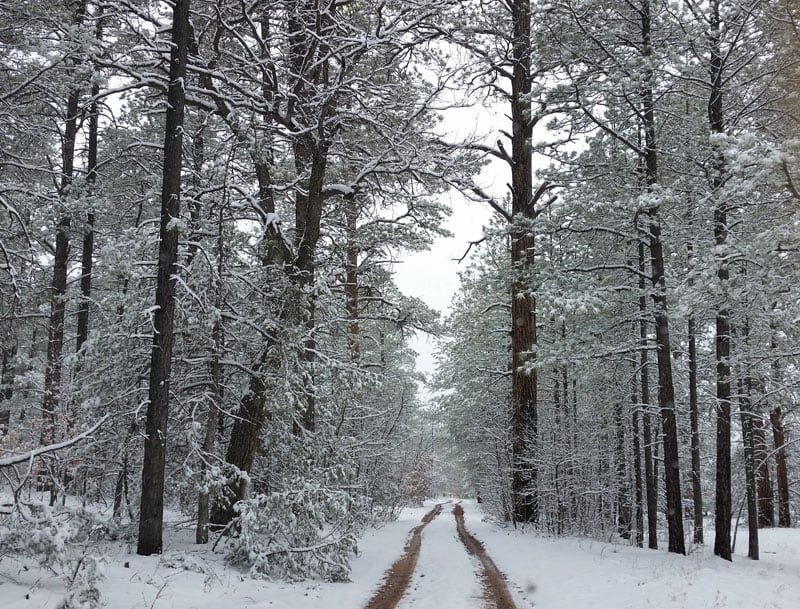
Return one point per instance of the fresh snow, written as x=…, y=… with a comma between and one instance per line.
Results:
x=445, y=576
x=543, y=573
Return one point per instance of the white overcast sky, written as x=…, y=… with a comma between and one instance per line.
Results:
x=432, y=275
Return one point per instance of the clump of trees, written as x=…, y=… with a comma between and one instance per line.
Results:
x=660, y=275
x=201, y=202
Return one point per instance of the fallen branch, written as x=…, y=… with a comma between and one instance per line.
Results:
x=32, y=454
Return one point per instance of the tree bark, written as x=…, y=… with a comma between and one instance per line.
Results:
x=87, y=253
x=624, y=513
x=351, y=276
x=722, y=341
x=651, y=484
x=746, y=416
x=781, y=467
x=51, y=395
x=212, y=420
x=666, y=390
x=637, y=462
x=694, y=415
x=151, y=517
x=524, y=423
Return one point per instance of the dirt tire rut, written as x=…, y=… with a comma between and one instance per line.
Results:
x=399, y=575
x=497, y=594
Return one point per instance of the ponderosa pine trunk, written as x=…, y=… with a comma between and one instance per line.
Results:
x=638, y=480
x=666, y=390
x=694, y=416
x=351, y=277
x=751, y=490
x=151, y=516
x=87, y=253
x=623, y=499
x=51, y=393
x=212, y=417
x=722, y=340
x=524, y=424
x=651, y=484
x=781, y=467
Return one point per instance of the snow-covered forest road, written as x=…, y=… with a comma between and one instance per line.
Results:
x=541, y=572
x=450, y=569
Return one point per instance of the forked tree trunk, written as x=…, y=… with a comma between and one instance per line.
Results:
x=151, y=516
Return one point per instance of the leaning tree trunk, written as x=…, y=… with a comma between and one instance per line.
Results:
x=151, y=516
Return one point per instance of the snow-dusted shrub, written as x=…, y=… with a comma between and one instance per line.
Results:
x=59, y=537
x=83, y=591
x=307, y=532
x=44, y=533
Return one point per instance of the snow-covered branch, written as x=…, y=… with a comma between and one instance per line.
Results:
x=32, y=454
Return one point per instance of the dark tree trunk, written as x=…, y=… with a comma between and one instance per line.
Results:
x=524, y=422
x=746, y=415
x=87, y=254
x=766, y=506
x=245, y=439
x=351, y=276
x=624, y=522
x=694, y=414
x=637, y=461
x=152, y=504
x=781, y=467
x=651, y=485
x=212, y=420
x=722, y=342
x=55, y=332
x=51, y=397
x=666, y=391
x=761, y=456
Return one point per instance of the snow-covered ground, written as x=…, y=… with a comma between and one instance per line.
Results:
x=542, y=572
x=575, y=573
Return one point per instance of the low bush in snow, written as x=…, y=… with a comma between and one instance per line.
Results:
x=306, y=532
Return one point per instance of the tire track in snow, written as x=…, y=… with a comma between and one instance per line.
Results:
x=497, y=594
x=399, y=575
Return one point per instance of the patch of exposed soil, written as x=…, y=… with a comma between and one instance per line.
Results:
x=399, y=576
x=497, y=595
